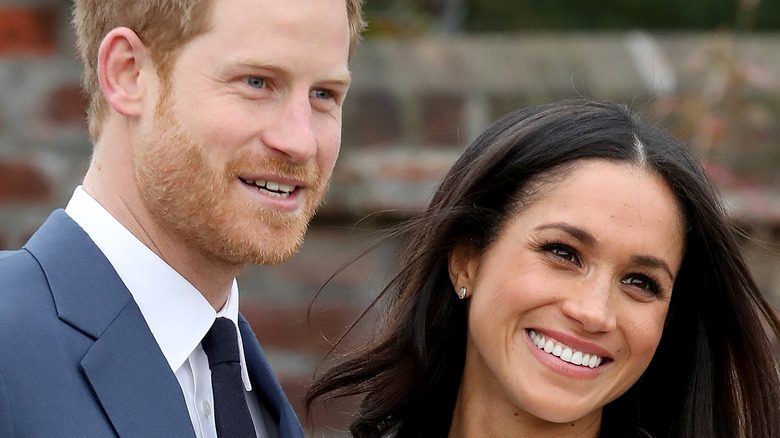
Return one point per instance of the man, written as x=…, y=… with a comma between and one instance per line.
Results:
x=216, y=125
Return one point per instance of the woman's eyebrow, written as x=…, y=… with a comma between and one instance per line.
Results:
x=576, y=232
x=589, y=239
x=653, y=262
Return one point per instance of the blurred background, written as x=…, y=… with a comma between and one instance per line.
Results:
x=429, y=77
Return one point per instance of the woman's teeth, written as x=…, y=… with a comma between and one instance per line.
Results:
x=563, y=352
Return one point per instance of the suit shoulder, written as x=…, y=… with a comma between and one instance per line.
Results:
x=20, y=277
x=16, y=266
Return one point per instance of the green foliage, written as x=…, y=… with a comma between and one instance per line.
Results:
x=505, y=15
x=405, y=17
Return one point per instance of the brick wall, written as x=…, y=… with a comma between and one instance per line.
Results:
x=44, y=148
x=413, y=107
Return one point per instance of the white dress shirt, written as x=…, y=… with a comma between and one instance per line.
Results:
x=177, y=314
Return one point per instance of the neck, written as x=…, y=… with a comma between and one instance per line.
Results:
x=112, y=184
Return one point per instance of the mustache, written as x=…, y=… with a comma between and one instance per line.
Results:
x=248, y=163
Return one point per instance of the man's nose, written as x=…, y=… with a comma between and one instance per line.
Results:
x=291, y=131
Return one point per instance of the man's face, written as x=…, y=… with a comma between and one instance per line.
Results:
x=247, y=129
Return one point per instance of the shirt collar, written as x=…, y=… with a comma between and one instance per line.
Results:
x=177, y=314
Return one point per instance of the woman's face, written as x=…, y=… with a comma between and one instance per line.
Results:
x=586, y=273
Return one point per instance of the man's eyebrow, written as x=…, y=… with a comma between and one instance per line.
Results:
x=341, y=78
x=576, y=232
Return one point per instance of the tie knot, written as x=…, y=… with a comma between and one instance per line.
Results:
x=221, y=342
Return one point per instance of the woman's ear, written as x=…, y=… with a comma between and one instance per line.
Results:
x=463, y=264
x=121, y=60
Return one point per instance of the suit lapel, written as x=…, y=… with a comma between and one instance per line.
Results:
x=134, y=383
x=267, y=385
x=125, y=367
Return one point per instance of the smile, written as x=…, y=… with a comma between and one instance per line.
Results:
x=564, y=353
x=272, y=188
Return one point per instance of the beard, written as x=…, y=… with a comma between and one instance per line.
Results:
x=202, y=202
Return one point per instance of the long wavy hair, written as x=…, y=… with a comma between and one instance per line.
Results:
x=713, y=374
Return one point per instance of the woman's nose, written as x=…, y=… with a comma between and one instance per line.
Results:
x=592, y=307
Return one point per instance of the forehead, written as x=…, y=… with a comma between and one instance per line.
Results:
x=615, y=202
x=307, y=38
x=305, y=41
x=621, y=186
x=323, y=21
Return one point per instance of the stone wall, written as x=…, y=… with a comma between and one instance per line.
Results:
x=413, y=106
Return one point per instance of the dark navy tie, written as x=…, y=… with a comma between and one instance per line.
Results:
x=230, y=410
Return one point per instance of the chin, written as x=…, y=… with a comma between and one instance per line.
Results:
x=268, y=248
x=555, y=412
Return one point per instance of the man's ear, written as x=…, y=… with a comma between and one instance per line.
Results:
x=121, y=60
x=463, y=263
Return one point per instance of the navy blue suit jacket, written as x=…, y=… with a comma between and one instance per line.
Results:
x=77, y=358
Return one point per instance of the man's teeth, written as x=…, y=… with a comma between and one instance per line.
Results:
x=272, y=188
x=563, y=352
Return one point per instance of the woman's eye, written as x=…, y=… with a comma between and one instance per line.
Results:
x=255, y=82
x=322, y=94
x=563, y=252
x=642, y=282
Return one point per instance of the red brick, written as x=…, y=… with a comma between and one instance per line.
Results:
x=320, y=260
x=333, y=415
x=27, y=31
x=443, y=118
x=377, y=120
x=68, y=105
x=23, y=182
x=287, y=326
x=2, y=243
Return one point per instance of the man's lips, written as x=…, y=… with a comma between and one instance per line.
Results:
x=273, y=188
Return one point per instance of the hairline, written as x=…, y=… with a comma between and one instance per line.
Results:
x=164, y=58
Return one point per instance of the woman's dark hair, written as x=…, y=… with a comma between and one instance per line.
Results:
x=714, y=373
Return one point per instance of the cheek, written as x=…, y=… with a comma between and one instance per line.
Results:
x=328, y=135
x=527, y=286
x=496, y=304
x=644, y=334
x=489, y=308
x=487, y=333
x=217, y=135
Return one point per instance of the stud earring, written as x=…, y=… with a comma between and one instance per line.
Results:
x=462, y=293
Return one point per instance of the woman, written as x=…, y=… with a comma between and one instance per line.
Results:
x=574, y=275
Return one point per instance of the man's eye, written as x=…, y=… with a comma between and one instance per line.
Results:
x=255, y=82
x=322, y=94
